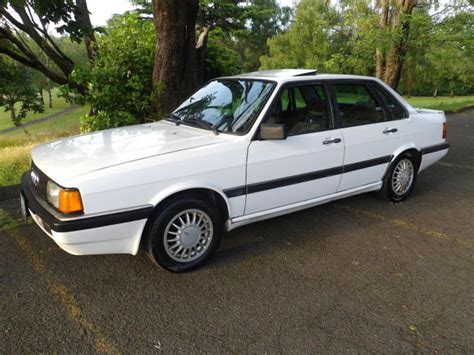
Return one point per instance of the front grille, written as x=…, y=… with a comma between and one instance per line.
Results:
x=40, y=186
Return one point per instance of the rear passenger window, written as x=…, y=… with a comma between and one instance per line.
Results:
x=299, y=100
x=356, y=105
x=303, y=109
x=393, y=106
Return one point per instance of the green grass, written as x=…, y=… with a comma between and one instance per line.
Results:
x=15, y=146
x=444, y=103
x=59, y=104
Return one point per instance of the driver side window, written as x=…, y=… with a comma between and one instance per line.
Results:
x=303, y=109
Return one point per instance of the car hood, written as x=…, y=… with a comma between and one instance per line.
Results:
x=75, y=156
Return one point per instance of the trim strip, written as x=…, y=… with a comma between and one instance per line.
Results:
x=297, y=179
x=435, y=148
x=292, y=180
x=54, y=223
x=367, y=163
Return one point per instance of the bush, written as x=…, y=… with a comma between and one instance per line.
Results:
x=120, y=82
x=104, y=120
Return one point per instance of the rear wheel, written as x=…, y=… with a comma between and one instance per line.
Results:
x=183, y=234
x=401, y=178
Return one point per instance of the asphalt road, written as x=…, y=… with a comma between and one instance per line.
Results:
x=358, y=275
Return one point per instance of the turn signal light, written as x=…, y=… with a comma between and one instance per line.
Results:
x=70, y=201
x=445, y=130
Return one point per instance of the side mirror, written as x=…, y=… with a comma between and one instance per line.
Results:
x=269, y=131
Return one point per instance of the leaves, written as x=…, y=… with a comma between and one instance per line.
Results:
x=120, y=83
x=18, y=93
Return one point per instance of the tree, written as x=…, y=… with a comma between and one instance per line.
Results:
x=394, y=40
x=395, y=15
x=21, y=19
x=221, y=58
x=120, y=83
x=309, y=41
x=16, y=87
x=184, y=29
x=175, y=68
x=261, y=20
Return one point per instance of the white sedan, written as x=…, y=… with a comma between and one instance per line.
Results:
x=239, y=150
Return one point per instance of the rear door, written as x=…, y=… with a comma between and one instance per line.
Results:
x=306, y=165
x=370, y=137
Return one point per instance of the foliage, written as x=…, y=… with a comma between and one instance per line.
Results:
x=119, y=84
x=220, y=58
x=442, y=57
x=308, y=43
x=59, y=104
x=343, y=38
x=16, y=86
x=245, y=29
x=26, y=21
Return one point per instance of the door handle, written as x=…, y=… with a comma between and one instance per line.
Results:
x=389, y=130
x=332, y=140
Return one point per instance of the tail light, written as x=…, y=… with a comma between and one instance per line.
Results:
x=445, y=130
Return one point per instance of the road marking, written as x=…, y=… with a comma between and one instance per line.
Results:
x=411, y=226
x=451, y=165
x=100, y=342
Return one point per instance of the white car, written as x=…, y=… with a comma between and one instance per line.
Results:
x=240, y=150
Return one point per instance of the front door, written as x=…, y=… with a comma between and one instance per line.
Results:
x=308, y=164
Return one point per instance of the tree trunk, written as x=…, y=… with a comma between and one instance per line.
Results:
x=201, y=48
x=389, y=66
x=84, y=18
x=174, y=72
x=50, y=97
x=15, y=120
x=379, y=55
x=41, y=96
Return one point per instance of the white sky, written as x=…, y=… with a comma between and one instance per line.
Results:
x=102, y=10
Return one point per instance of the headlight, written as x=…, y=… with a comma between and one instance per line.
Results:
x=65, y=200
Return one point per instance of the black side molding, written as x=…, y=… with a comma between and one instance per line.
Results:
x=435, y=148
x=367, y=163
x=297, y=179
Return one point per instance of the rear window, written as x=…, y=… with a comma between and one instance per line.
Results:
x=394, y=107
x=357, y=106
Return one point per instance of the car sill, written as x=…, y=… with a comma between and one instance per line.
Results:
x=279, y=211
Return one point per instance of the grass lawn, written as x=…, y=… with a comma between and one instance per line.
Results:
x=15, y=146
x=444, y=103
x=59, y=104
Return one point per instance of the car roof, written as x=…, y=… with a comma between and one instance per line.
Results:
x=288, y=75
x=280, y=73
x=297, y=75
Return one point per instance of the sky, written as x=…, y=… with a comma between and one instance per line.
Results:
x=102, y=10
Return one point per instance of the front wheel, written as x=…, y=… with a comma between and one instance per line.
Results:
x=401, y=178
x=184, y=234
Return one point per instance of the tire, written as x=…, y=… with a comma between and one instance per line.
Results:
x=200, y=233
x=400, y=179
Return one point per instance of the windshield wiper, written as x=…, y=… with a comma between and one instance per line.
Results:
x=202, y=124
x=172, y=117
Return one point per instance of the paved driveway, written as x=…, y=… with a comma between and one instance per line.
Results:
x=357, y=275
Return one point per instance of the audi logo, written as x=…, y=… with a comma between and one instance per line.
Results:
x=35, y=178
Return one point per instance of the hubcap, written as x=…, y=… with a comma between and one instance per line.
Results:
x=402, y=177
x=188, y=235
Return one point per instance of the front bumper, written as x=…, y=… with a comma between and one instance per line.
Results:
x=108, y=233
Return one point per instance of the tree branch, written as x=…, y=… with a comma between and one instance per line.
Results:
x=27, y=26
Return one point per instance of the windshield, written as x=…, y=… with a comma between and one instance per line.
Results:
x=228, y=105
